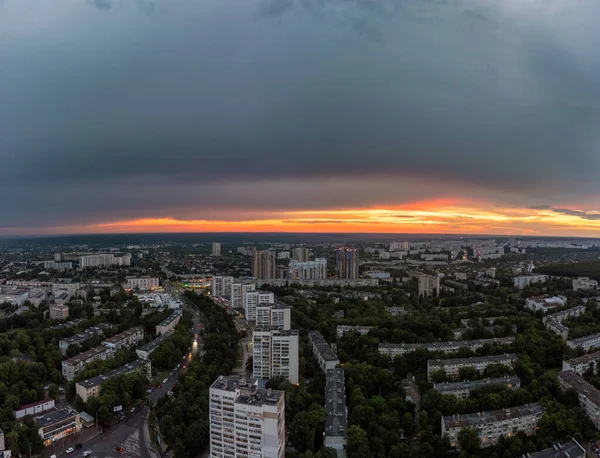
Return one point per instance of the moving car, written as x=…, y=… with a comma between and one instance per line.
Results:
x=70, y=450
x=87, y=453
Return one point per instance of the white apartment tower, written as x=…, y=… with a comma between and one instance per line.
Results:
x=238, y=290
x=276, y=315
x=245, y=420
x=275, y=354
x=216, y=249
x=221, y=286
x=252, y=299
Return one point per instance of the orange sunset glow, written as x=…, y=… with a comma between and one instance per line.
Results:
x=429, y=217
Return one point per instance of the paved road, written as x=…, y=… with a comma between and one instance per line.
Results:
x=131, y=434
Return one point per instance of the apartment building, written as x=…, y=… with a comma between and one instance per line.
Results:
x=238, y=290
x=125, y=339
x=216, y=249
x=583, y=363
x=80, y=338
x=59, y=312
x=588, y=394
x=91, y=387
x=429, y=285
x=245, y=420
x=73, y=289
x=72, y=367
x=585, y=342
x=347, y=263
x=494, y=424
x=462, y=390
x=571, y=449
x=393, y=350
x=336, y=412
x=141, y=283
x=146, y=350
x=277, y=315
x=564, y=314
x=452, y=366
x=253, y=299
x=523, y=281
x=545, y=303
x=322, y=351
x=263, y=265
x=300, y=254
x=275, y=354
x=168, y=324
x=103, y=260
x=342, y=329
x=221, y=286
x=584, y=283
x=308, y=270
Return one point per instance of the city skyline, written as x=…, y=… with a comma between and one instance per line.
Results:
x=299, y=116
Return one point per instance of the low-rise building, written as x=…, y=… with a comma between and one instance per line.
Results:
x=451, y=366
x=141, y=283
x=91, y=387
x=462, y=390
x=393, y=350
x=545, y=303
x=168, y=324
x=342, y=329
x=336, y=412
x=34, y=409
x=523, y=281
x=14, y=295
x=396, y=310
x=80, y=338
x=571, y=449
x=583, y=363
x=58, y=424
x=59, y=312
x=146, y=350
x=588, y=394
x=322, y=351
x=493, y=425
x=72, y=367
x=585, y=342
x=125, y=339
x=4, y=452
x=584, y=283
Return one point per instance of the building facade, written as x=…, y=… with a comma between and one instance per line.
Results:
x=588, y=394
x=74, y=366
x=583, y=364
x=125, y=339
x=429, y=285
x=308, y=270
x=263, y=265
x=142, y=283
x=221, y=286
x=167, y=325
x=216, y=249
x=494, y=424
x=322, y=351
x=59, y=312
x=585, y=342
x=584, y=283
x=393, y=350
x=276, y=315
x=275, y=354
x=342, y=329
x=245, y=420
x=300, y=254
x=462, y=390
x=451, y=366
x=347, y=263
x=253, y=299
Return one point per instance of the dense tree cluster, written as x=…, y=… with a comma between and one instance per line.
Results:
x=183, y=419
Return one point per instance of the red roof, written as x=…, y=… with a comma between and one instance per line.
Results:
x=33, y=404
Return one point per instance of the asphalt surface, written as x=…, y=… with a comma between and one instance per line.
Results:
x=131, y=434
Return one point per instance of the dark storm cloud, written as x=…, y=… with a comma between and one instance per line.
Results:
x=148, y=108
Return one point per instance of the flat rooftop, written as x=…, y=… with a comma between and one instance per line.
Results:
x=172, y=317
x=492, y=416
x=55, y=416
x=86, y=355
x=123, y=335
x=584, y=339
x=100, y=379
x=336, y=420
x=433, y=346
x=571, y=449
x=68, y=324
x=88, y=333
x=250, y=393
x=445, y=387
x=323, y=347
x=154, y=344
x=581, y=386
x=585, y=359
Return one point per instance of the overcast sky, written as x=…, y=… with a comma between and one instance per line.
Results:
x=114, y=110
